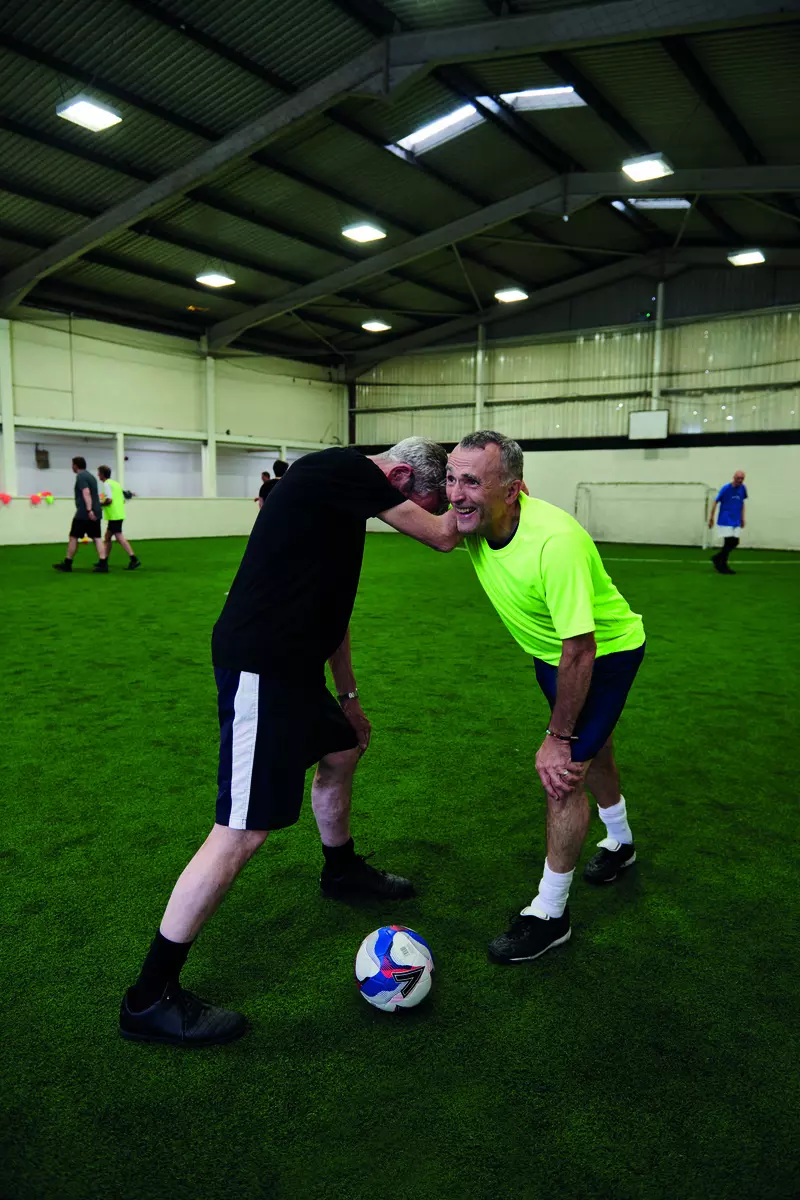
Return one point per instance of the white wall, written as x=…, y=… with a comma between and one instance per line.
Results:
x=772, y=512
x=77, y=384
x=22, y=524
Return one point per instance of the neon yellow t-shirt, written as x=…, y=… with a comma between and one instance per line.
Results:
x=549, y=583
x=115, y=511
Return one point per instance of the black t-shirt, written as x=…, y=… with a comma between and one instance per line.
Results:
x=266, y=488
x=85, y=479
x=291, y=600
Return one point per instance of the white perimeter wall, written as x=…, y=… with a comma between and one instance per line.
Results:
x=77, y=384
x=772, y=473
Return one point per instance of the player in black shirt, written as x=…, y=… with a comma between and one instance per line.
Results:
x=277, y=717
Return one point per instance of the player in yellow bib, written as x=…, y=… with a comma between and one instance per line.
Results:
x=544, y=575
x=113, y=503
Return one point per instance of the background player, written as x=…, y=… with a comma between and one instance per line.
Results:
x=730, y=522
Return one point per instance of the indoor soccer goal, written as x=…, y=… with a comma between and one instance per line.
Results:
x=666, y=514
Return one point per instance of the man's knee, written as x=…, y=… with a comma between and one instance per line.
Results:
x=338, y=766
x=240, y=843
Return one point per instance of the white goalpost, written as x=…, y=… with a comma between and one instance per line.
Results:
x=666, y=514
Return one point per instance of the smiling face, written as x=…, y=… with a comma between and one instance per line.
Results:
x=738, y=478
x=482, y=498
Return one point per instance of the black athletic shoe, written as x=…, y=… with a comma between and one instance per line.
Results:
x=101, y=567
x=180, y=1018
x=726, y=570
x=718, y=564
x=364, y=881
x=528, y=937
x=612, y=857
x=63, y=566
x=133, y=564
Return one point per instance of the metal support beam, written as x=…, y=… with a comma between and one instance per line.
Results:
x=204, y=167
x=120, y=439
x=571, y=190
x=687, y=64
x=658, y=341
x=10, y=480
x=209, y=447
x=480, y=375
x=494, y=214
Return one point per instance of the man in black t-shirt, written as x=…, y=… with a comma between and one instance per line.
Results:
x=86, y=522
x=277, y=718
x=280, y=468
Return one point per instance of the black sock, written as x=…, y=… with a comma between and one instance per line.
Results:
x=339, y=859
x=163, y=965
x=730, y=544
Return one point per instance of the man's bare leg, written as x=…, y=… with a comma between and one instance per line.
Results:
x=331, y=794
x=107, y=542
x=602, y=777
x=126, y=546
x=100, y=546
x=616, y=851
x=205, y=881
x=72, y=548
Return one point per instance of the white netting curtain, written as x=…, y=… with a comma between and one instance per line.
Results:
x=734, y=374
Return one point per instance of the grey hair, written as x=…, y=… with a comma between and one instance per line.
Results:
x=511, y=460
x=427, y=459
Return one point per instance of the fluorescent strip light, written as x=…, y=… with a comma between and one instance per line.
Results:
x=375, y=326
x=364, y=232
x=656, y=202
x=647, y=166
x=83, y=110
x=510, y=295
x=542, y=99
x=214, y=279
x=442, y=130
x=746, y=258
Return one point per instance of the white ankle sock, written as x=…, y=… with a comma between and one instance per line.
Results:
x=551, y=899
x=615, y=820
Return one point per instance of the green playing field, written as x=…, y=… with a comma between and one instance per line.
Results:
x=651, y=1058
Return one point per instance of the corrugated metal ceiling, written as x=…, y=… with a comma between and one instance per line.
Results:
x=321, y=175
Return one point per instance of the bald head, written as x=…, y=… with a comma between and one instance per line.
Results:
x=738, y=478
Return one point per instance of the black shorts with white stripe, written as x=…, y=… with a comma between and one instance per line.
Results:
x=272, y=729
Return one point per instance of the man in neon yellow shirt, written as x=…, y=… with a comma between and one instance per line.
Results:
x=543, y=574
x=112, y=499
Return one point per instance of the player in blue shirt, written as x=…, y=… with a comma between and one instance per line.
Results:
x=730, y=522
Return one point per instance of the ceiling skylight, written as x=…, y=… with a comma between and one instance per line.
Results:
x=91, y=114
x=656, y=202
x=441, y=130
x=541, y=99
x=375, y=326
x=214, y=279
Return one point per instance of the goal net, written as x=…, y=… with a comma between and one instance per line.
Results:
x=666, y=514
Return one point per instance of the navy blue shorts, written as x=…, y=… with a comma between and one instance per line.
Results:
x=271, y=731
x=612, y=679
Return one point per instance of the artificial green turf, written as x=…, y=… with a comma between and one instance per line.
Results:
x=651, y=1058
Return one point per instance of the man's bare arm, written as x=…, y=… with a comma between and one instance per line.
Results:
x=87, y=500
x=574, y=676
x=441, y=533
x=341, y=665
x=711, y=518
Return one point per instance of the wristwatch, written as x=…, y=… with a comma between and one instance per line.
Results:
x=347, y=695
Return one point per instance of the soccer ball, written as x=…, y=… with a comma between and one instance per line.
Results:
x=393, y=968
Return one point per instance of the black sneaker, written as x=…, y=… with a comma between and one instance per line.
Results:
x=133, y=564
x=718, y=564
x=101, y=567
x=363, y=880
x=528, y=937
x=180, y=1018
x=63, y=566
x=613, y=857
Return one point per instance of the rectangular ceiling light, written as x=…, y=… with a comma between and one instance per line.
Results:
x=656, y=202
x=647, y=166
x=542, y=99
x=375, y=326
x=746, y=258
x=91, y=114
x=442, y=130
x=214, y=279
x=364, y=232
x=510, y=295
